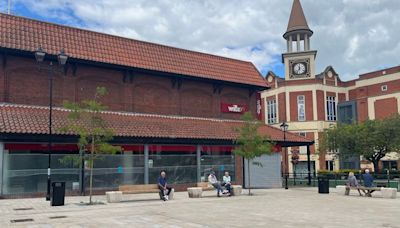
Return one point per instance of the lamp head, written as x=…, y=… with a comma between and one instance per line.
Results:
x=62, y=58
x=39, y=55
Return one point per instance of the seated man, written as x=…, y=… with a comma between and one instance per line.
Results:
x=215, y=183
x=352, y=182
x=226, y=182
x=368, y=182
x=165, y=190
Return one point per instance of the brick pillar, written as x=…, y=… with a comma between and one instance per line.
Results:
x=239, y=170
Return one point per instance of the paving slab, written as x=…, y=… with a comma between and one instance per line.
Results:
x=300, y=207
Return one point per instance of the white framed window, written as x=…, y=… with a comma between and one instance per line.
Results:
x=303, y=134
x=301, y=108
x=271, y=112
x=384, y=88
x=331, y=108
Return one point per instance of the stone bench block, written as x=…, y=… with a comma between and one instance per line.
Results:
x=114, y=196
x=236, y=190
x=389, y=193
x=171, y=194
x=195, y=192
x=341, y=190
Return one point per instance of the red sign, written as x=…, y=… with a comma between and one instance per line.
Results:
x=233, y=108
x=259, y=107
x=277, y=148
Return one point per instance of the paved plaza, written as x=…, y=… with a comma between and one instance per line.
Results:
x=301, y=207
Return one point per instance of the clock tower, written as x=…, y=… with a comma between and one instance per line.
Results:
x=299, y=60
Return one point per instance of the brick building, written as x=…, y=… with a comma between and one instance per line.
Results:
x=311, y=102
x=170, y=109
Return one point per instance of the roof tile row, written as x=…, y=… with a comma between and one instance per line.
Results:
x=27, y=35
x=24, y=119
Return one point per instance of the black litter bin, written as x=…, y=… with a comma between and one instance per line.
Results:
x=323, y=185
x=57, y=194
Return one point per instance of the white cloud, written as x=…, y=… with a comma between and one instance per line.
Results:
x=354, y=36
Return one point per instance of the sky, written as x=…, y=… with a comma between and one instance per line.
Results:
x=353, y=36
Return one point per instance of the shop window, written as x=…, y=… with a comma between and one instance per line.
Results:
x=220, y=159
x=178, y=161
x=389, y=165
x=301, y=113
x=271, y=112
x=331, y=108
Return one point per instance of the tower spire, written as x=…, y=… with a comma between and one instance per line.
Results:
x=297, y=20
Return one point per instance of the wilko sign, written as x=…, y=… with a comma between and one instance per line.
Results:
x=233, y=108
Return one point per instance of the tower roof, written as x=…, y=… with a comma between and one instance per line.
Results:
x=297, y=19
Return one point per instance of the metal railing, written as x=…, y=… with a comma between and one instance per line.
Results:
x=291, y=180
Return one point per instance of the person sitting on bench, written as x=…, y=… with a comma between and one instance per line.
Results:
x=226, y=182
x=165, y=190
x=368, y=182
x=215, y=183
x=352, y=182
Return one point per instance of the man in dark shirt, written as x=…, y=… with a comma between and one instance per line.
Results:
x=368, y=182
x=165, y=190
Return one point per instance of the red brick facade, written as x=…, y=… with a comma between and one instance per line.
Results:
x=308, y=105
x=385, y=108
x=146, y=93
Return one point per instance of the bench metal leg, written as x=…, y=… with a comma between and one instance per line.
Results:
x=347, y=192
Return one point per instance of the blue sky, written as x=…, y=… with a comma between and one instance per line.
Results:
x=354, y=36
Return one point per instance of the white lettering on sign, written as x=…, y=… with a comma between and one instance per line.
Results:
x=235, y=108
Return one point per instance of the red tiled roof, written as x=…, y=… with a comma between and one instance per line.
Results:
x=24, y=119
x=26, y=34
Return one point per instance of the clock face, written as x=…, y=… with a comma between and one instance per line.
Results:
x=299, y=68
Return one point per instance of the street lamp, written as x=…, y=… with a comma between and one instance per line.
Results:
x=62, y=60
x=284, y=128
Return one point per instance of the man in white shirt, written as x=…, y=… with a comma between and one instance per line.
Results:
x=226, y=182
x=212, y=179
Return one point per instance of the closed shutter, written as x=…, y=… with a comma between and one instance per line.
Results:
x=266, y=176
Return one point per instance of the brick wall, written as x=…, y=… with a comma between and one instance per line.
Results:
x=21, y=82
x=308, y=105
x=282, y=107
x=385, y=107
x=320, y=105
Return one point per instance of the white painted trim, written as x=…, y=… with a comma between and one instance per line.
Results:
x=277, y=108
x=299, y=88
x=287, y=106
x=326, y=110
x=375, y=80
x=1, y=167
x=371, y=103
x=315, y=107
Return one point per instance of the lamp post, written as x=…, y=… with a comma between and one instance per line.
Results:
x=284, y=128
x=62, y=60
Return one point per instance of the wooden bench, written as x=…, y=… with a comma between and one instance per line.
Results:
x=143, y=188
x=139, y=188
x=205, y=186
x=389, y=193
x=362, y=188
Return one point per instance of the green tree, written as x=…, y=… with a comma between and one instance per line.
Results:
x=85, y=120
x=250, y=143
x=371, y=139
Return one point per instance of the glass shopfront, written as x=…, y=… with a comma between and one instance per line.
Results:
x=220, y=159
x=25, y=166
x=179, y=162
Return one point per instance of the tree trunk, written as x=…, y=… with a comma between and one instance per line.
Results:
x=376, y=165
x=248, y=171
x=91, y=172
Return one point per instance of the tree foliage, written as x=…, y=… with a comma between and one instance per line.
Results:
x=85, y=120
x=250, y=143
x=371, y=139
